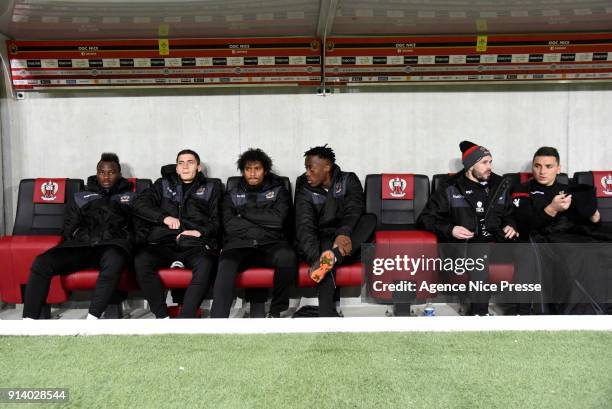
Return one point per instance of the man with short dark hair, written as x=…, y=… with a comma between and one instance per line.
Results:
x=548, y=211
x=330, y=221
x=552, y=203
x=181, y=211
x=473, y=206
x=97, y=233
x=255, y=215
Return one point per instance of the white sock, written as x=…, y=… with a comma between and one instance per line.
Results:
x=91, y=317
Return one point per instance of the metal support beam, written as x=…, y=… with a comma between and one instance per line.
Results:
x=327, y=13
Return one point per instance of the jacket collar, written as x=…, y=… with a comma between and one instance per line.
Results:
x=270, y=181
x=121, y=186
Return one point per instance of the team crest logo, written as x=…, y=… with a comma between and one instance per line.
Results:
x=338, y=187
x=516, y=202
x=200, y=191
x=270, y=195
x=398, y=187
x=606, y=183
x=125, y=199
x=49, y=191
x=479, y=208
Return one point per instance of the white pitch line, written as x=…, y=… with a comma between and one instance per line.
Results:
x=306, y=325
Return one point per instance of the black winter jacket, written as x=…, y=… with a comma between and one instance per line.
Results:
x=326, y=214
x=530, y=199
x=254, y=216
x=452, y=205
x=197, y=209
x=100, y=217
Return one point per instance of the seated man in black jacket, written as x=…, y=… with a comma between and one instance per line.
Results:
x=97, y=234
x=472, y=207
x=255, y=214
x=181, y=211
x=575, y=277
x=330, y=221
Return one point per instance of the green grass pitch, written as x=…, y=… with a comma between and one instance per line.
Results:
x=331, y=370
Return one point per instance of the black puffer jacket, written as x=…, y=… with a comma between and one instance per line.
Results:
x=452, y=205
x=254, y=216
x=197, y=209
x=326, y=214
x=530, y=199
x=100, y=217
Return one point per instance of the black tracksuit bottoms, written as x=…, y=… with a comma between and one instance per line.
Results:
x=153, y=257
x=110, y=260
x=279, y=256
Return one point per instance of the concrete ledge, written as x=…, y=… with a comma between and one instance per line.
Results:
x=305, y=325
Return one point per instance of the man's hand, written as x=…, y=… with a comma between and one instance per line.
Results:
x=509, y=232
x=560, y=203
x=461, y=233
x=193, y=233
x=596, y=217
x=172, y=222
x=344, y=243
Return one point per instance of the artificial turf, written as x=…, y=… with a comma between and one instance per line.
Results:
x=330, y=370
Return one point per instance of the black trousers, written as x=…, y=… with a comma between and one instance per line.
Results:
x=110, y=260
x=153, y=257
x=326, y=289
x=279, y=256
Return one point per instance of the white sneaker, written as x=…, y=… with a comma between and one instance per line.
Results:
x=27, y=319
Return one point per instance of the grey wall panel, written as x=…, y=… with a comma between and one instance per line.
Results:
x=590, y=131
x=372, y=132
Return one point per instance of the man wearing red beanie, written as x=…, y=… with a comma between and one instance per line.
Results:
x=473, y=206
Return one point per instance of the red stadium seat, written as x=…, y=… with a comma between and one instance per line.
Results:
x=38, y=224
x=397, y=201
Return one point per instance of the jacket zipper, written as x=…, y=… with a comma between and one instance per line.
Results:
x=494, y=198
